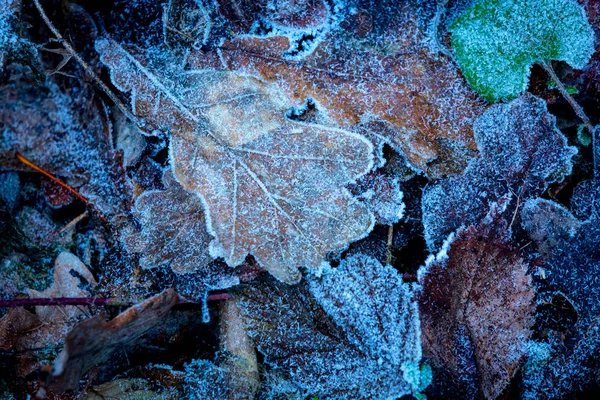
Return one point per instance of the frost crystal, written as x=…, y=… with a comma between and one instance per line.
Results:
x=521, y=150
x=497, y=41
x=352, y=338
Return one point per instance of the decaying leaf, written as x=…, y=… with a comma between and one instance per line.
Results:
x=71, y=279
x=497, y=42
x=373, y=63
x=173, y=229
x=476, y=307
x=94, y=340
x=571, y=263
x=521, y=150
x=351, y=333
x=13, y=324
x=271, y=187
x=62, y=134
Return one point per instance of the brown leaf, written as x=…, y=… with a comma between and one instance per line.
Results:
x=271, y=187
x=71, y=279
x=94, y=340
x=173, y=229
x=476, y=308
x=421, y=96
x=13, y=324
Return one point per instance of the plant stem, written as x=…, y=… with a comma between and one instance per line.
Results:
x=83, y=301
x=577, y=108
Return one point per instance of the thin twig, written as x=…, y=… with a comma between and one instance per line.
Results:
x=73, y=223
x=576, y=107
x=84, y=65
x=48, y=175
x=83, y=301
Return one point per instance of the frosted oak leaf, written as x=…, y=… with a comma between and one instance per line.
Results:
x=271, y=187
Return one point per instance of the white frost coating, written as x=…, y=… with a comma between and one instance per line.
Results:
x=303, y=40
x=278, y=184
x=374, y=307
x=440, y=257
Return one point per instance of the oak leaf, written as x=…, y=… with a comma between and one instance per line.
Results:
x=374, y=62
x=173, y=229
x=270, y=186
x=476, y=307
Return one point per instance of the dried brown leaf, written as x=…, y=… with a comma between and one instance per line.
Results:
x=94, y=340
x=173, y=229
x=356, y=73
x=476, y=308
x=271, y=187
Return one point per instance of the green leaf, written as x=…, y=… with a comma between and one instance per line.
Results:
x=572, y=90
x=497, y=41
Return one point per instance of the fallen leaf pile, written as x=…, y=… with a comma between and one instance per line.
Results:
x=299, y=199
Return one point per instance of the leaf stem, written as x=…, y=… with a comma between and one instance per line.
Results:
x=576, y=107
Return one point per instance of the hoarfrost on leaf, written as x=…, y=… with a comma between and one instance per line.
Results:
x=520, y=150
x=173, y=229
x=571, y=260
x=349, y=333
x=497, y=41
x=271, y=187
x=376, y=65
x=476, y=307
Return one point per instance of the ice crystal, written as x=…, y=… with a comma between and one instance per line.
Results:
x=352, y=338
x=521, y=150
x=497, y=41
x=270, y=186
